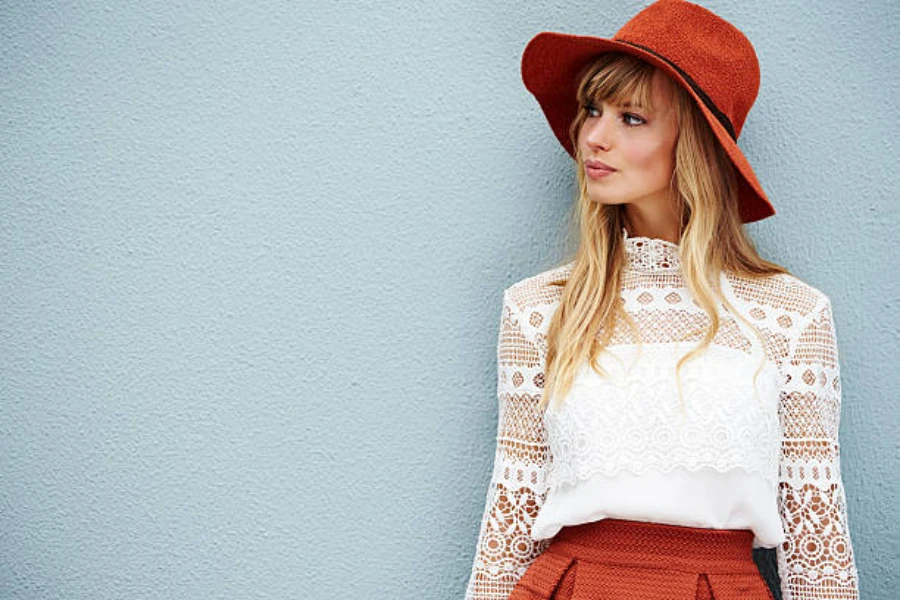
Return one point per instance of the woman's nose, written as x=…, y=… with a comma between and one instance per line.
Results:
x=598, y=133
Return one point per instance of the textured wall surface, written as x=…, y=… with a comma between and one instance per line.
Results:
x=251, y=265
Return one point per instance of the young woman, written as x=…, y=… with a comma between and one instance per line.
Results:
x=668, y=399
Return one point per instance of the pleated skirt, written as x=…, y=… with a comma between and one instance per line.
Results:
x=624, y=560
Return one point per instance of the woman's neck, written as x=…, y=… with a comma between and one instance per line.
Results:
x=656, y=226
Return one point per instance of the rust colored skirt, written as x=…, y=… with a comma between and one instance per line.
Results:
x=631, y=560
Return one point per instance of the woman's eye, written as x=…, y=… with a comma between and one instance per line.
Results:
x=631, y=119
x=591, y=110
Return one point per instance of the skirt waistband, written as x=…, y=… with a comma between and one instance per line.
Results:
x=636, y=543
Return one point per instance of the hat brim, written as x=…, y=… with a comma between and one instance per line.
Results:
x=551, y=64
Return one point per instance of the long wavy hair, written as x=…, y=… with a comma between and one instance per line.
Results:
x=712, y=236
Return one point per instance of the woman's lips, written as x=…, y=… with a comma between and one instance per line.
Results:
x=596, y=169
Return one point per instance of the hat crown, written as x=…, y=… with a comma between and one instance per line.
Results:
x=712, y=52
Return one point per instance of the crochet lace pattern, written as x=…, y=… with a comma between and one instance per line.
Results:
x=798, y=339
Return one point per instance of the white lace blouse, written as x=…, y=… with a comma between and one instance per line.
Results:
x=753, y=445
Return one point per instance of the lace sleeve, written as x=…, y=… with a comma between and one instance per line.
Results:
x=816, y=560
x=517, y=490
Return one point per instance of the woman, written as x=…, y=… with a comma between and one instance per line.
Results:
x=668, y=399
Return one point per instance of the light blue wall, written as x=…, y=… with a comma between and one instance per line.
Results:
x=251, y=265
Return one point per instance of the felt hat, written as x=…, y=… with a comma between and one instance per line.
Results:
x=699, y=50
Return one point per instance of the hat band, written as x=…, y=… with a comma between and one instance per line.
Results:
x=720, y=116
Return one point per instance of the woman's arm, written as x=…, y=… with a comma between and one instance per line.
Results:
x=516, y=492
x=816, y=560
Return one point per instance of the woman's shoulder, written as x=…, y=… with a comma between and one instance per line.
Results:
x=535, y=298
x=783, y=292
x=539, y=290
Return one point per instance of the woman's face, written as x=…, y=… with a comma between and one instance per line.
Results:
x=628, y=152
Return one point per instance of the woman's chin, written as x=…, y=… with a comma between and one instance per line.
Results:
x=606, y=199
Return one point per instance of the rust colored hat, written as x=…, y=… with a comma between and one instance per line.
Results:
x=699, y=50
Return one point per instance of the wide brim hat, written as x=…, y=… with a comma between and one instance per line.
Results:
x=705, y=54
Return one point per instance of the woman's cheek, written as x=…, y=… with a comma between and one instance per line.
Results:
x=652, y=157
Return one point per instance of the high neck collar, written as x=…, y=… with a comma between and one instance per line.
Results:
x=651, y=254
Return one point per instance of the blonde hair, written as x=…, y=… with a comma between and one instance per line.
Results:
x=713, y=239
